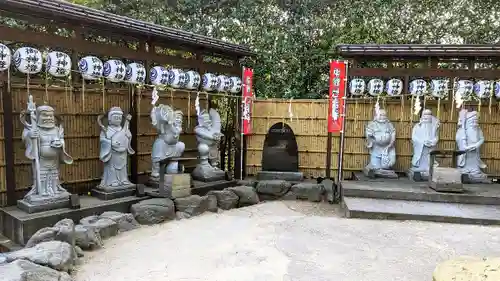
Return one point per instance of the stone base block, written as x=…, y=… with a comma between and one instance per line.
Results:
x=180, y=184
x=286, y=176
x=417, y=176
x=446, y=180
x=30, y=208
x=113, y=194
x=206, y=173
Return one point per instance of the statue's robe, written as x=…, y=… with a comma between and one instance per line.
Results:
x=422, y=133
x=49, y=158
x=470, y=162
x=166, y=145
x=115, y=147
x=381, y=137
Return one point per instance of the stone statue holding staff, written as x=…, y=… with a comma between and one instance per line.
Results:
x=44, y=141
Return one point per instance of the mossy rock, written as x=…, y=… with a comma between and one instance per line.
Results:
x=468, y=269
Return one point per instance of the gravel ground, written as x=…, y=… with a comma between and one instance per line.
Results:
x=285, y=241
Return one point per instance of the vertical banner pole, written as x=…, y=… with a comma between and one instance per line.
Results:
x=342, y=133
x=328, y=172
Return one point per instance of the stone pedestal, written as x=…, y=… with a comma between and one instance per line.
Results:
x=178, y=184
x=446, y=180
x=109, y=193
x=286, y=176
x=380, y=173
x=35, y=203
x=207, y=173
x=417, y=176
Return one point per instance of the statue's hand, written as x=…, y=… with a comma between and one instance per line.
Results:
x=34, y=134
x=129, y=117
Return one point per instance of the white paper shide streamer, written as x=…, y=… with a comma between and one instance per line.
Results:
x=154, y=96
x=290, y=112
x=417, y=106
x=197, y=104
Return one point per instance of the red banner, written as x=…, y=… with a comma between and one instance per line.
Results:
x=246, y=104
x=338, y=71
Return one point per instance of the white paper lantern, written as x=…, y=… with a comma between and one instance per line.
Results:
x=158, y=76
x=375, y=87
x=209, y=82
x=28, y=60
x=135, y=73
x=235, y=86
x=58, y=64
x=114, y=70
x=357, y=87
x=192, y=80
x=223, y=83
x=439, y=88
x=176, y=78
x=418, y=87
x=464, y=88
x=496, y=90
x=394, y=87
x=483, y=88
x=90, y=67
x=5, y=57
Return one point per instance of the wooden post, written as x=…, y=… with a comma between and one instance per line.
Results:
x=8, y=132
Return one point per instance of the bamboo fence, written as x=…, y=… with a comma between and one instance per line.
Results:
x=310, y=127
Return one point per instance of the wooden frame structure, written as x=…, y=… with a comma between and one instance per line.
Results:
x=61, y=25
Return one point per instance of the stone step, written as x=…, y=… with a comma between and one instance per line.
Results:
x=402, y=189
x=373, y=208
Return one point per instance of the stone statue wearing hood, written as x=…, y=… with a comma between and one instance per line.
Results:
x=424, y=137
x=469, y=138
x=380, y=140
x=115, y=141
x=44, y=141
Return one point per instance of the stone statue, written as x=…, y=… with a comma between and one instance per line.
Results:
x=424, y=137
x=381, y=138
x=469, y=138
x=115, y=142
x=168, y=123
x=44, y=141
x=208, y=133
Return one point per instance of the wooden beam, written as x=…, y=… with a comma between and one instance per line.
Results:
x=8, y=132
x=83, y=46
x=422, y=72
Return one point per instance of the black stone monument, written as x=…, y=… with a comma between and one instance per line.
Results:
x=280, y=156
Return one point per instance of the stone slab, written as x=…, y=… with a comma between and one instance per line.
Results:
x=287, y=176
x=202, y=188
x=446, y=179
x=18, y=225
x=110, y=195
x=404, y=189
x=200, y=173
x=370, y=208
x=36, y=208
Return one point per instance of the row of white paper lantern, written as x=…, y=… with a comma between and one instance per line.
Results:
x=29, y=61
x=419, y=87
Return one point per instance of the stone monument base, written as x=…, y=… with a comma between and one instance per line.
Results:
x=179, y=184
x=286, y=176
x=109, y=193
x=380, y=173
x=417, y=176
x=35, y=204
x=473, y=178
x=446, y=180
x=207, y=173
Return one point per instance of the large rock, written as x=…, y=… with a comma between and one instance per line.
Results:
x=330, y=189
x=153, y=211
x=306, y=191
x=106, y=227
x=247, y=195
x=61, y=231
x=23, y=270
x=54, y=254
x=468, y=269
x=125, y=221
x=247, y=182
x=226, y=199
x=212, y=204
x=87, y=237
x=192, y=205
x=271, y=189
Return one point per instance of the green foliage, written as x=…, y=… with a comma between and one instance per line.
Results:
x=294, y=43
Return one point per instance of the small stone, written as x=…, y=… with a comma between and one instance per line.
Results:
x=212, y=203
x=468, y=269
x=54, y=254
x=87, y=237
x=106, y=227
x=79, y=252
x=181, y=215
x=153, y=211
x=23, y=270
x=247, y=195
x=308, y=191
x=226, y=199
x=125, y=221
x=273, y=188
x=193, y=205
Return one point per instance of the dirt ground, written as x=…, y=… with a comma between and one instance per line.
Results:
x=285, y=241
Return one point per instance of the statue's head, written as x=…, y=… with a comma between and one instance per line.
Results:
x=115, y=116
x=472, y=120
x=426, y=116
x=207, y=121
x=45, y=116
x=382, y=116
